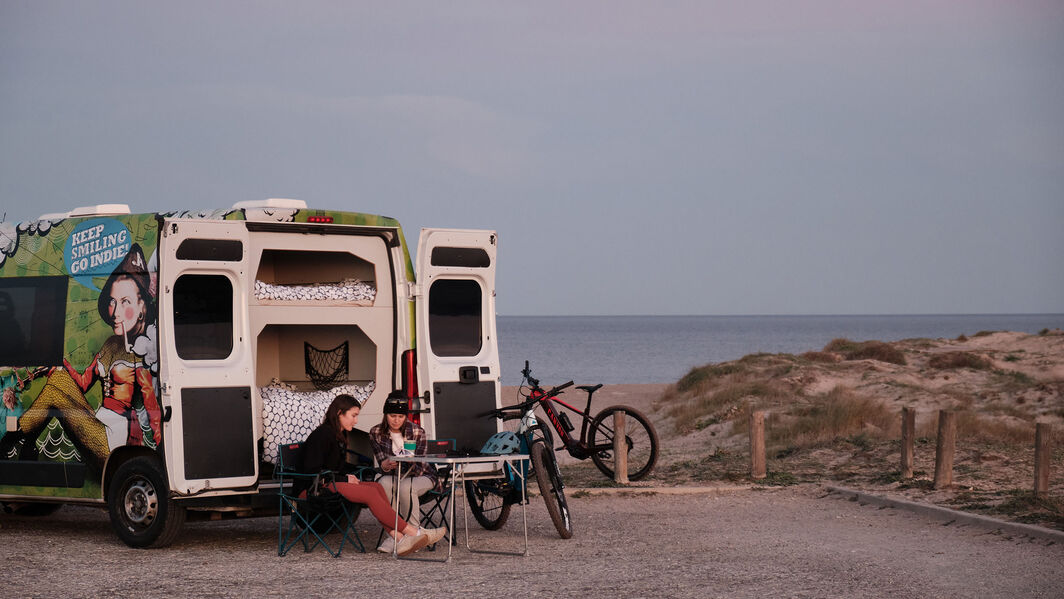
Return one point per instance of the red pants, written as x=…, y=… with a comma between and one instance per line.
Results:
x=372, y=495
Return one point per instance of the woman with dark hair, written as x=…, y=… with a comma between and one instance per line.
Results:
x=325, y=449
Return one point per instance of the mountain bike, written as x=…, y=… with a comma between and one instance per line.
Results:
x=490, y=500
x=596, y=434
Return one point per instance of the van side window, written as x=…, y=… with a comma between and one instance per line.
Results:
x=32, y=317
x=224, y=250
x=461, y=257
x=455, y=317
x=203, y=317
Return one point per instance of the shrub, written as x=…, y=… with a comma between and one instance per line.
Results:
x=837, y=415
x=958, y=359
x=821, y=356
x=867, y=350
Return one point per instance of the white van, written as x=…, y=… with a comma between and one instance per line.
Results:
x=153, y=362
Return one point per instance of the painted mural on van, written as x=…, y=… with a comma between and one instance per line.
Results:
x=79, y=356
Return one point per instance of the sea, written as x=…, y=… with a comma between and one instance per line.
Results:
x=661, y=349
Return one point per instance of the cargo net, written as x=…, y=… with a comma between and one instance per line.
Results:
x=326, y=368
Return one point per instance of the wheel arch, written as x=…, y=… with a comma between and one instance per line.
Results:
x=121, y=456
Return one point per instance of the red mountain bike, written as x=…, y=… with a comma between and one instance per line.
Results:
x=596, y=434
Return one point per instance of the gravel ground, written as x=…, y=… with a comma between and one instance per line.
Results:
x=789, y=542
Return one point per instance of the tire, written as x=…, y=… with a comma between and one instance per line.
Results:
x=487, y=501
x=138, y=500
x=641, y=437
x=552, y=489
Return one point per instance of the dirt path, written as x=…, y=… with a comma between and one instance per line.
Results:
x=792, y=542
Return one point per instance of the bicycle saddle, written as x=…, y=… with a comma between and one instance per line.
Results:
x=590, y=388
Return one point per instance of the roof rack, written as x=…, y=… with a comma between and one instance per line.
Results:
x=95, y=210
x=272, y=203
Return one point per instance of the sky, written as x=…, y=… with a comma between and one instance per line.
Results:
x=783, y=157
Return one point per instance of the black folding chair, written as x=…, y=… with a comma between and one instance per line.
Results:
x=310, y=518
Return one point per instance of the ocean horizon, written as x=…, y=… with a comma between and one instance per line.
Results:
x=661, y=349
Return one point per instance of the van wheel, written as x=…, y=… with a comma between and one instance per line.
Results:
x=138, y=501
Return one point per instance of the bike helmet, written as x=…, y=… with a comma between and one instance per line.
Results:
x=502, y=443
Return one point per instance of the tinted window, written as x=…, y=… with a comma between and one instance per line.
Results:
x=455, y=317
x=464, y=257
x=203, y=317
x=32, y=317
x=225, y=250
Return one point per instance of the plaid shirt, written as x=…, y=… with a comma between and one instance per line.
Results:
x=382, y=448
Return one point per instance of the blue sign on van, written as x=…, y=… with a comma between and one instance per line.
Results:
x=94, y=249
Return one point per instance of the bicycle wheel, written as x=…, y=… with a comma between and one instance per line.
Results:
x=487, y=501
x=640, y=435
x=550, y=486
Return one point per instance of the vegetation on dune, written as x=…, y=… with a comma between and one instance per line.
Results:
x=866, y=350
x=958, y=359
x=851, y=432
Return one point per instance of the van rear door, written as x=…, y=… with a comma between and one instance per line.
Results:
x=210, y=427
x=457, y=351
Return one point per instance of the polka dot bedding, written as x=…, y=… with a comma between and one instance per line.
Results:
x=348, y=290
x=290, y=415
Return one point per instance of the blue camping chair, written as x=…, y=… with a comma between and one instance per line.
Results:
x=316, y=515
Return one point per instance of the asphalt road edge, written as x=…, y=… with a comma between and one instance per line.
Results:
x=950, y=515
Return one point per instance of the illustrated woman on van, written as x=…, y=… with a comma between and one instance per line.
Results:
x=129, y=411
x=129, y=408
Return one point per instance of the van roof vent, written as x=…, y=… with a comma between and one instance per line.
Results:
x=96, y=210
x=280, y=203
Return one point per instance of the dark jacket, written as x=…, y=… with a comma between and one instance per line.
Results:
x=321, y=451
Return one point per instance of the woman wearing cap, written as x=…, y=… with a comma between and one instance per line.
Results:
x=325, y=449
x=389, y=439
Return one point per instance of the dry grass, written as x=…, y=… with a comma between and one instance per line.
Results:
x=822, y=357
x=977, y=428
x=959, y=359
x=866, y=350
x=728, y=401
x=838, y=414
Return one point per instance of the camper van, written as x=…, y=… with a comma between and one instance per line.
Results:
x=154, y=362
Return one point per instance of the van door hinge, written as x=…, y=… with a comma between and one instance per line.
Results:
x=413, y=290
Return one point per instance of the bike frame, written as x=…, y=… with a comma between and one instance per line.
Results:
x=578, y=448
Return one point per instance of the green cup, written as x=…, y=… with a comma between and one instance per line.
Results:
x=409, y=445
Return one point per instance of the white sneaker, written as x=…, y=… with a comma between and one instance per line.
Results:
x=411, y=543
x=387, y=545
x=434, y=534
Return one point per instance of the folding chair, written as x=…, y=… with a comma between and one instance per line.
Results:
x=315, y=515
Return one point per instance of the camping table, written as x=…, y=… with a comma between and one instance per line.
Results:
x=459, y=467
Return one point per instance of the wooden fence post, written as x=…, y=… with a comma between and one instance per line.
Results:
x=947, y=440
x=908, y=438
x=757, y=445
x=1043, y=452
x=620, y=449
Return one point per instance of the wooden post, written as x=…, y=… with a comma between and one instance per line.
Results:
x=757, y=446
x=620, y=449
x=947, y=440
x=908, y=438
x=1043, y=453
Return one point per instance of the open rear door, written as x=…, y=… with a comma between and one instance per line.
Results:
x=457, y=351
x=211, y=425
